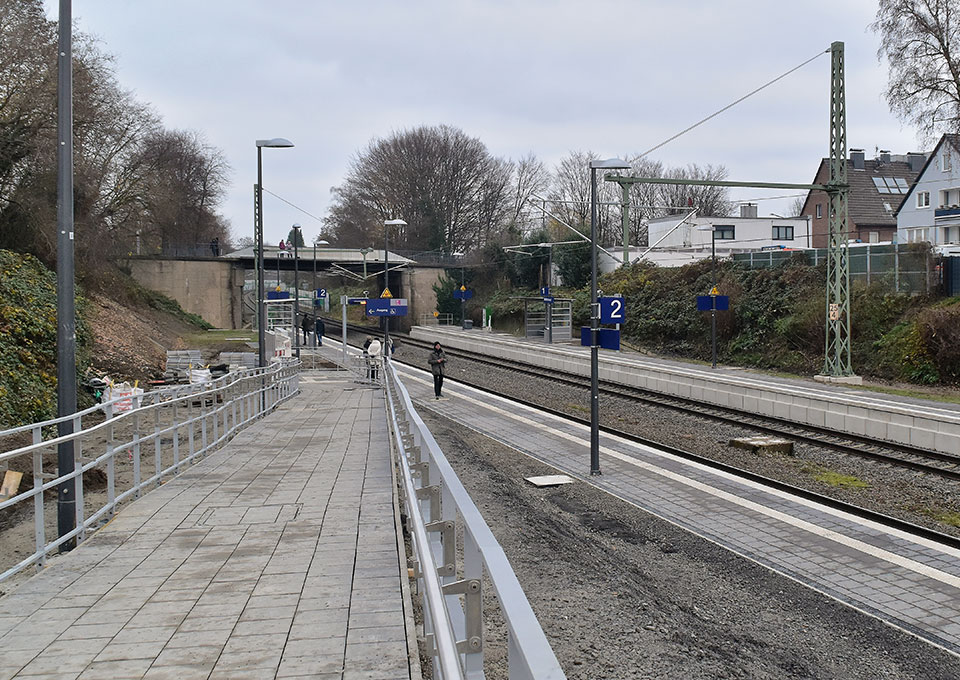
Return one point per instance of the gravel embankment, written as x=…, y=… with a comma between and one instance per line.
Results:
x=911, y=496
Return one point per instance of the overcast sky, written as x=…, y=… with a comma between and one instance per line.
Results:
x=612, y=76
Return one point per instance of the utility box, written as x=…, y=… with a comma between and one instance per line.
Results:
x=468, y=324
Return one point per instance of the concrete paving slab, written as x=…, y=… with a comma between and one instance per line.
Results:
x=273, y=557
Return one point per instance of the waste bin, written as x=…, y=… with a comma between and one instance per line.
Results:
x=467, y=324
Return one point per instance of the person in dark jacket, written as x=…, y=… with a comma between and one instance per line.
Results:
x=438, y=363
x=306, y=326
x=320, y=329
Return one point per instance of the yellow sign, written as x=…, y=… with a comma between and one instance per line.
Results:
x=714, y=291
x=436, y=314
x=386, y=293
x=463, y=288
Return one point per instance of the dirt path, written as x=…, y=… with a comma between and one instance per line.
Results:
x=622, y=594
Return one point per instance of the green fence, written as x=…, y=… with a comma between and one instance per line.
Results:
x=905, y=268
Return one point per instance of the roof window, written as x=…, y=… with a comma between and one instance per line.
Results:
x=891, y=185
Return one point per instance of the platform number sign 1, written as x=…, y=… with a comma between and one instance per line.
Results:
x=612, y=310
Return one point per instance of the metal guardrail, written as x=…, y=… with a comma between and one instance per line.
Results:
x=438, y=507
x=179, y=424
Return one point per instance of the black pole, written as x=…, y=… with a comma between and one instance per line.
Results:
x=66, y=311
x=463, y=302
x=261, y=284
x=386, y=286
x=594, y=332
x=713, y=297
x=296, y=289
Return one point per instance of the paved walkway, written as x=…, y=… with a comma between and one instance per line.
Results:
x=275, y=557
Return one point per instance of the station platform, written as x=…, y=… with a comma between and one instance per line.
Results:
x=915, y=422
x=908, y=582
x=275, y=557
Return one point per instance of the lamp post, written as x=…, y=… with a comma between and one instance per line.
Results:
x=363, y=253
x=610, y=164
x=386, y=278
x=296, y=289
x=713, y=305
x=275, y=143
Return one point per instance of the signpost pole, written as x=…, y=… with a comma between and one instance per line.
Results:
x=713, y=296
x=343, y=339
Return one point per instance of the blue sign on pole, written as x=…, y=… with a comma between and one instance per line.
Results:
x=705, y=303
x=387, y=307
x=545, y=291
x=612, y=310
x=356, y=301
x=462, y=294
x=321, y=292
x=278, y=295
x=608, y=338
x=549, y=299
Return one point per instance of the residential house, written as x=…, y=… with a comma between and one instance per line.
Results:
x=930, y=210
x=733, y=234
x=876, y=190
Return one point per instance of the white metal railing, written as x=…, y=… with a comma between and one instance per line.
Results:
x=438, y=320
x=172, y=426
x=438, y=507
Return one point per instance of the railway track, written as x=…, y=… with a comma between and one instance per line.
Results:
x=919, y=460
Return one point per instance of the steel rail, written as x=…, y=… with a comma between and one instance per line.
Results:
x=820, y=436
x=236, y=399
x=529, y=654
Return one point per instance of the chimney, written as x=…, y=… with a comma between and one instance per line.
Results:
x=857, y=158
x=916, y=161
x=884, y=156
x=748, y=210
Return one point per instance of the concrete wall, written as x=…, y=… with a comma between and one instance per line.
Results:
x=418, y=282
x=210, y=288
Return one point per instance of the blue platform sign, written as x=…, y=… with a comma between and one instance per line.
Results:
x=387, y=307
x=609, y=337
x=545, y=291
x=462, y=294
x=705, y=303
x=356, y=301
x=321, y=292
x=612, y=310
x=278, y=295
x=549, y=299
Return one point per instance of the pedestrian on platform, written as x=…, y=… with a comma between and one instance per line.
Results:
x=438, y=363
x=306, y=326
x=373, y=358
x=320, y=329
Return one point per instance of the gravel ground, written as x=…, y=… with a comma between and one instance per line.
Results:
x=915, y=497
x=624, y=595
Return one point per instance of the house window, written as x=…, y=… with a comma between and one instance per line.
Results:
x=819, y=211
x=923, y=199
x=945, y=161
x=890, y=185
x=783, y=232
x=723, y=231
x=874, y=237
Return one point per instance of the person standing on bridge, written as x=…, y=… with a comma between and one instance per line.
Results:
x=438, y=363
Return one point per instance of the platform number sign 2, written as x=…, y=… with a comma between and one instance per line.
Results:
x=612, y=310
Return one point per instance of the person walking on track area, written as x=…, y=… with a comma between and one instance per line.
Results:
x=438, y=363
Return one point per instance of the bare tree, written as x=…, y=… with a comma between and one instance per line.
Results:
x=448, y=188
x=530, y=178
x=920, y=40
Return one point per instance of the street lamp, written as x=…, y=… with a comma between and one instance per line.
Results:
x=713, y=298
x=386, y=279
x=363, y=253
x=296, y=289
x=275, y=143
x=609, y=164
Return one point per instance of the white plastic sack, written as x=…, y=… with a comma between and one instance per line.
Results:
x=124, y=392
x=200, y=375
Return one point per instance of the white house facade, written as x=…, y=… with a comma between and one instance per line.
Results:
x=930, y=211
x=738, y=234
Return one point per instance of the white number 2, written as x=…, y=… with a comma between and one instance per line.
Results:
x=616, y=309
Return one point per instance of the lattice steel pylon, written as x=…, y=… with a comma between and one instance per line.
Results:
x=836, y=362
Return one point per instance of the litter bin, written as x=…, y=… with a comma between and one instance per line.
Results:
x=468, y=324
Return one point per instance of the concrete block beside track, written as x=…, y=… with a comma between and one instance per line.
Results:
x=913, y=422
